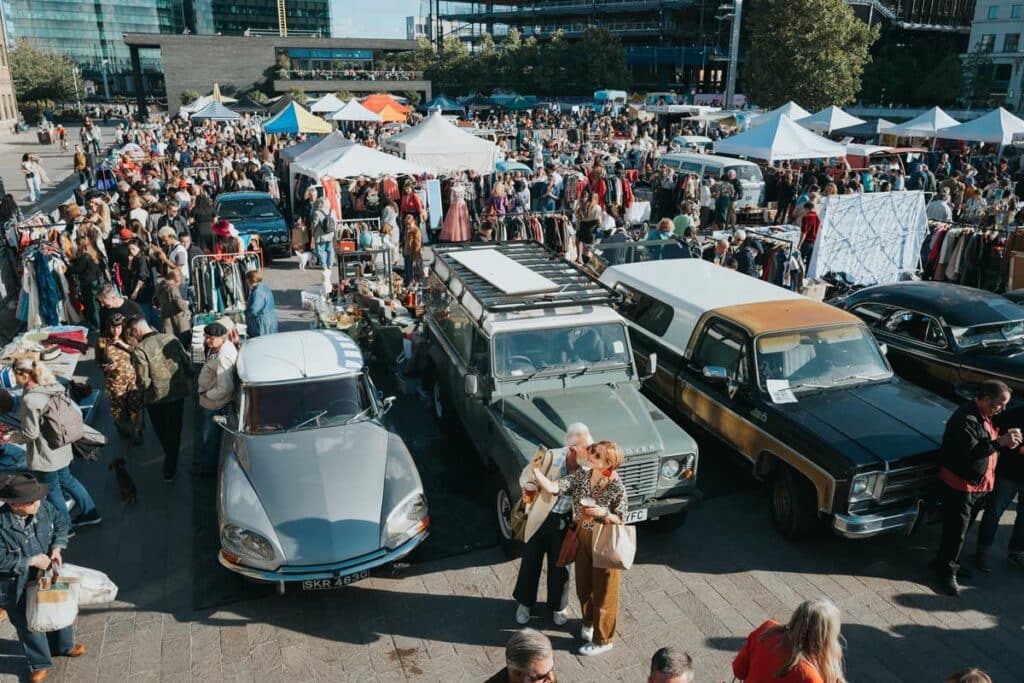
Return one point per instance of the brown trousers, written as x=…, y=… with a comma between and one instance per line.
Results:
x=598, y=591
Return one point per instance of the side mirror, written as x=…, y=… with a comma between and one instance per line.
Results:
x=884, y=348
x=715, y=373
x=471, y=385
x=385, y=404
x=652, y=366
x=222, y=422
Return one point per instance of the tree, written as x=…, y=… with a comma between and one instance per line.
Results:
x=297, y=95
x=258, y=96
x=604, y=64
x=811, y=51
x=977, y=78
x=188, y=96
x=40, y=74
x=944, y=84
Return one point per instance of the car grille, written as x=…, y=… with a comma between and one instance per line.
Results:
x=909, y=483
x=639, y=477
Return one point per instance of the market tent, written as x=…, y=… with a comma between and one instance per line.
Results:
x=478, y=102
x=277, y=105
x=215, y=111
x=997, y=127
x=327, y=104
x=829, y=119
x=354, y=111
x=443, y=147
x=294, y=119
x=353, y=160
x=390, y=114
x=444, y=104
x=377, y=101
x=924, y=126
x=520, y=103
x=782, y=139
x=790, y=109
x=247, y=105
x=335, y=140
x=869, y=129
x=509, y=166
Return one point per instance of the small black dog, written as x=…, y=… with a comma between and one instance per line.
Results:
x=125, y=485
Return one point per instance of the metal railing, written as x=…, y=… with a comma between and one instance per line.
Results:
x=348, y=75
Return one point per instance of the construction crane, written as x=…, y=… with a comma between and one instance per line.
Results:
x=282, y=19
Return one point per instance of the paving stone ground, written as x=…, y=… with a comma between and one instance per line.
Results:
x=702, y=588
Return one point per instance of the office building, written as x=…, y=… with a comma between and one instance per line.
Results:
x=996, y=32
x=8, y=98
x=422, y=26
x=260, y=17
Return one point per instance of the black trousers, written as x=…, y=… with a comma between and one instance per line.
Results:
x=166, y=418
x=546, y=542
x=959, y=510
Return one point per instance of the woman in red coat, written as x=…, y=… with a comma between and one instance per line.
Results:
x=806, y=650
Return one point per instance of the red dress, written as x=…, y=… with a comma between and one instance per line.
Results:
x=760, y=660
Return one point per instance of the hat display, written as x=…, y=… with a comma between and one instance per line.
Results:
x=22, y=488
x=215, y=329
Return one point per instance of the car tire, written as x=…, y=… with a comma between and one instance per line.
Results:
x=793, y=503
x=668, y=523
x=502, y=502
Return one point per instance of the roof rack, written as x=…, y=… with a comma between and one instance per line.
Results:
x=574, y=286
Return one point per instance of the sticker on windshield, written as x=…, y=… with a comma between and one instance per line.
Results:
x=779, y=391
x=618, y=347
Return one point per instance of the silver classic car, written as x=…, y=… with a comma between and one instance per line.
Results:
x=313, y=488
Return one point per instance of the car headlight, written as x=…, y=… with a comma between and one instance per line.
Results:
x=246, y=544
x=407, y=520
x=670, y=468
x=867, y=486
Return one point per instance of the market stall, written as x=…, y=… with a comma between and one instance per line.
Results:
x=829, y=120
x=996, y=127
x=443, y=148
x=214, y=111
x=353, y=111
x=790, y=110
x=328, y=104
x=293, y=119
x=779, y=140
x=927, y=125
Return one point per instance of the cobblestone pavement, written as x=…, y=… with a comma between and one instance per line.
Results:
x=701, y=588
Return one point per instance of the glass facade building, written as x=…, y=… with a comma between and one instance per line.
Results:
x=304, y=17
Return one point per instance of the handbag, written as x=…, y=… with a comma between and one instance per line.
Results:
x=570, y=544
x=51, y=603
x=614, y=546
x=95, y=587
x=517, y=520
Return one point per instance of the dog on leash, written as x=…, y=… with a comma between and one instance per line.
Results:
x=125, y=486
x=304, y=258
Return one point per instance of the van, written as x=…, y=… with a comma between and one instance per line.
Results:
x=714, y=166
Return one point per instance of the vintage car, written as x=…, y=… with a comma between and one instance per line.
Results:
x=312, y=487
x=256, y=213
x=523, y=344
x=945, y=337
x=798, y=388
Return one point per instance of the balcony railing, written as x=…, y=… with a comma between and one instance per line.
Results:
x=347, y=75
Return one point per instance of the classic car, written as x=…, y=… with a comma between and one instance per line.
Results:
x=945, y=337
x=256, y=213
x=798, y=388
x=312, y=487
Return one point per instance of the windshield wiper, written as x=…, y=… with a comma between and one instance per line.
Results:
x=306, y=422
x=362, y=413
x=809, y=384
x=865, y=378
x=533, y=374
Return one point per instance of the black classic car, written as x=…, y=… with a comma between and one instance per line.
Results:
x=945, y=337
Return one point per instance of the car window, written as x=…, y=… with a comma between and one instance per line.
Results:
x=560, y=349
x=915, y=326
x=247, y=208
x=748, y=173
x=725, y=347
x=304, y=405
x=691, y=166
x=820, y=358
x=872, y=314
x=646, y=311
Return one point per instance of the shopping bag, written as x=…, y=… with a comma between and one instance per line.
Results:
x=570, y=544
x=51, y=603
x=94, y=587
x=614, y=546
x=517, y=520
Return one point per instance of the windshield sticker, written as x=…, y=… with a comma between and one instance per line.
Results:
x=618, y=347
x=779, y=391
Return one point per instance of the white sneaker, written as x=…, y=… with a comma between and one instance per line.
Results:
x=591, y=649
x=522, y=614
x=561, y=617
x=587, y=633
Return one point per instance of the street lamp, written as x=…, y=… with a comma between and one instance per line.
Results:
x=734, y=50
x=106, y=85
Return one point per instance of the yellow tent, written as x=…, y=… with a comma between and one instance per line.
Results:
x=294, y=119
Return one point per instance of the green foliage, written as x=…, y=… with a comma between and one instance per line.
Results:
x=343, y=95
x=188, y=96
x=900, y=59
x=40, y=74
x=811, y=51
x=258, y=96
x=943, y=85
x=411, y=95
x=977, y=78
x=297, y=95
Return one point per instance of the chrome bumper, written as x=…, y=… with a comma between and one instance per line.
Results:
x=866, y=526
x=345, y=568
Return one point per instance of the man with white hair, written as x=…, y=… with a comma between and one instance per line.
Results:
x=529, y=658
x=669, y=665
x=939, y=208
x=547, y=520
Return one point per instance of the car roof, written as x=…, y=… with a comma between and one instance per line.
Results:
x=957, y=305
x=707, y=158
x=293, y=356
x=243, y=195
x=774, y=316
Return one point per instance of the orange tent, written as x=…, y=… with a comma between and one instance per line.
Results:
x=389, y=114
x=378, y=101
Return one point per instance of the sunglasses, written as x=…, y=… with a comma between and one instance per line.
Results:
x=548, y=677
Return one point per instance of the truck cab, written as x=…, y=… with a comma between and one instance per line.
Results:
x=523, y=344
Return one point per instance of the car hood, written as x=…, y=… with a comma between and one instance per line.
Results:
x=874, y=423
x=322, y=489
x=259, y=224
x=617, y=413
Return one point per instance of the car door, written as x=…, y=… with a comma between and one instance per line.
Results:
x=918, y=348
x=649, y=320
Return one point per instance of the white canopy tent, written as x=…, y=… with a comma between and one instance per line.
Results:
x=997, y=127
x=311, y=146
x=354, y=111
x=442, y=147
x=790, y=109
x=924, y=126
x=779, y=141
x=830, y=119
x=327, y=104
x=353, y=160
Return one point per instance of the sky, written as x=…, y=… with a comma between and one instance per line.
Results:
x=371, y=18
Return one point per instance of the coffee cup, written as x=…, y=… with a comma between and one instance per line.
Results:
x=529, y=491
x=587, y=502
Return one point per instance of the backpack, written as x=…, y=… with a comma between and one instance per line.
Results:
x=61, y=422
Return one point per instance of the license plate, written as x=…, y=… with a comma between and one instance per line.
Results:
x=634, y=516
x=336, y=582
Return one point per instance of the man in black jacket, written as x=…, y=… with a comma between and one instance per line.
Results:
x=970, y=447
x=1009, y=483
x=746, y=257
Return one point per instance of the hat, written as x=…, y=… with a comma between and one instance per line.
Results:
x=126, y=234
x=182, y=184
x=22, y=488
x=215, y=329
x=167, y=231
x=222, y=228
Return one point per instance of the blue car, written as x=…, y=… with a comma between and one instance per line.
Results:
x=255, y=213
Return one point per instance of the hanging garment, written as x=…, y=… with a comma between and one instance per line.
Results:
x=48, y=292
x=456, y=226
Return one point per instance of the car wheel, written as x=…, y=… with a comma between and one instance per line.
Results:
x=793, y=503
x=503, y=515
x=668, y=523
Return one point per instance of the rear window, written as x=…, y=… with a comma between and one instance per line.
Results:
x=646, y=311
x=748, y=173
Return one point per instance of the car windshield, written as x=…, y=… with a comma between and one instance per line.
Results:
x=989, y=335
x=241, y=209
x=749, y=173
x=819, y=359
x=305, y=405
x=521, y=355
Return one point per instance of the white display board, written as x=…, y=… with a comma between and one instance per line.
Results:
x=874, y=238
x=504, y=273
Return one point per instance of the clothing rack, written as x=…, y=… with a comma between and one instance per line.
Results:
x=219, y=280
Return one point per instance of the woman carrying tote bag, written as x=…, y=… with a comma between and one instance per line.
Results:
x=598, y=497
